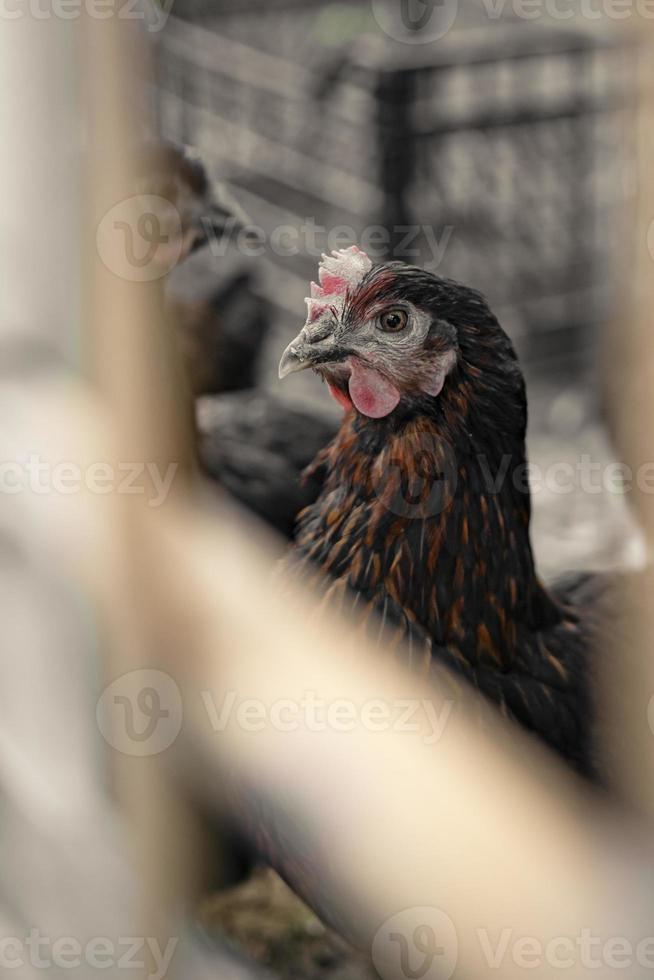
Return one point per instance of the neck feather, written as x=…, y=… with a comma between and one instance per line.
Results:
x=437, y=512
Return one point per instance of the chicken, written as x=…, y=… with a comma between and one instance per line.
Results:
x=248, y=441
x=205, y=208
x=220, y=319
x=221, y=324
x=424, y=510
x=257, y=448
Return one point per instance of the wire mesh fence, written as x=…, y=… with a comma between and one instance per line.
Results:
x=498, y=157
x=94, y=851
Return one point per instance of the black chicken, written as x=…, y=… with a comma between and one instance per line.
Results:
x=221, y=323
x=424, y=509
x=421, y=521
x=249, y=441
x=257, y=447
x=220, y=319
x=206, y=209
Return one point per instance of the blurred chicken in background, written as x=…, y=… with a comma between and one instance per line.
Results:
x=249, y=441
x=221, y=322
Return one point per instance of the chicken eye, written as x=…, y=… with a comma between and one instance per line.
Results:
x=393, y=321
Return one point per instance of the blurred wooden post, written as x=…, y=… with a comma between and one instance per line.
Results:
x=629, y=379
x=40, y=209
x=132, y=359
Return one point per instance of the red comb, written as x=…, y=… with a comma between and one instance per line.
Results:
x=339, y=272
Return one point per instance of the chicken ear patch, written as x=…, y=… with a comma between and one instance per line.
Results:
x=372, y=394
x=433, y=385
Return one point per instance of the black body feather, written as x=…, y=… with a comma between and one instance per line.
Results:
x=425, y=515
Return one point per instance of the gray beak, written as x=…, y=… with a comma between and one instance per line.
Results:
x=222, y=217
x=292, y=360
x=225, y=212
x=315, y=344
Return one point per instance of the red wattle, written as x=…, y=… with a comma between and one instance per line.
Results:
x=373, y=394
